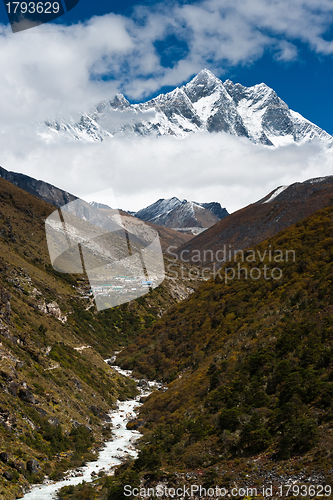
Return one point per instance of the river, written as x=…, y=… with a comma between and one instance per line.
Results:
x=114, y=452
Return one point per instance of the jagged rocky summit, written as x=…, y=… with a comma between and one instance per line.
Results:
x=204, y=104
x=185, y=216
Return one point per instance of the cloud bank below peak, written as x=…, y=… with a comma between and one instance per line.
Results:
x=203, y=167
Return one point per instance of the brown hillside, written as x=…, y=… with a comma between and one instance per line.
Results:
x=168, y=236
x=55, y=388
x=256, y=222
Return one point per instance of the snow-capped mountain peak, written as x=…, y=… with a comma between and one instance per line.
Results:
x=182, y=215
x=203, y=104
x=160, y=207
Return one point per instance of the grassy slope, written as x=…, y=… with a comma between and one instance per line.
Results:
x=256, y=222
x=37, y=351
x=249, y=365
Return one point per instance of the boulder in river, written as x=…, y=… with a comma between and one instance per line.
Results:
x=143, y=383
x=135, y=424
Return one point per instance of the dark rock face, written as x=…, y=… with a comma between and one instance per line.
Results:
x=5, y=305
x=216, y=209
x=143, y=383
x=135, y=424
x=40, y=189
x=218, y=123
x=41, y=411
x=98, y=412
x=119, y=102
x=6, y=376
x=19, y=466
x=33, y=466
x=235, y=90
x=27, y=396
x=76, y=424
x=177, y=104
x=13, y=388
x=264, y=140
x=8, y=475
x=203, y=86
x=4, y=457
x=5, y=311
x=277, y=120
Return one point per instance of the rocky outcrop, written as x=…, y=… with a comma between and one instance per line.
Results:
x=7, y=420
x=13, y=388
x=76, y=424
x=19, y=466
x=41, y=411
x=5, y=308
x=143, y=383
x=54, y=421
x=33, y=466
x=26, y=396
x=52, y=309
x=135, y=424
x=100, y=413
x=4, y=457
x=8, y=475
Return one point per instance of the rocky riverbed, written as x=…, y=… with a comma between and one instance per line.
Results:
x=114, y=452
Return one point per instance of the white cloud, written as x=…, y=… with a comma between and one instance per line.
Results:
x=53, y=70
x=56, y=69
x=202, y=167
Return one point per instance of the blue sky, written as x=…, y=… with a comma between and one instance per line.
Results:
x=305, y=82
x=304, y=78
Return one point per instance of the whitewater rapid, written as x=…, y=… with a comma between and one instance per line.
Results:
x=113, y=454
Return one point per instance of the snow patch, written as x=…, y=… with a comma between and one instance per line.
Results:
x=276, y=193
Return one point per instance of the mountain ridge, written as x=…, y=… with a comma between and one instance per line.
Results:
x=41, y=189
x=182, y=215
x=55, y=387
x=248, y=365
x=258, y=221
x=205, y=104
